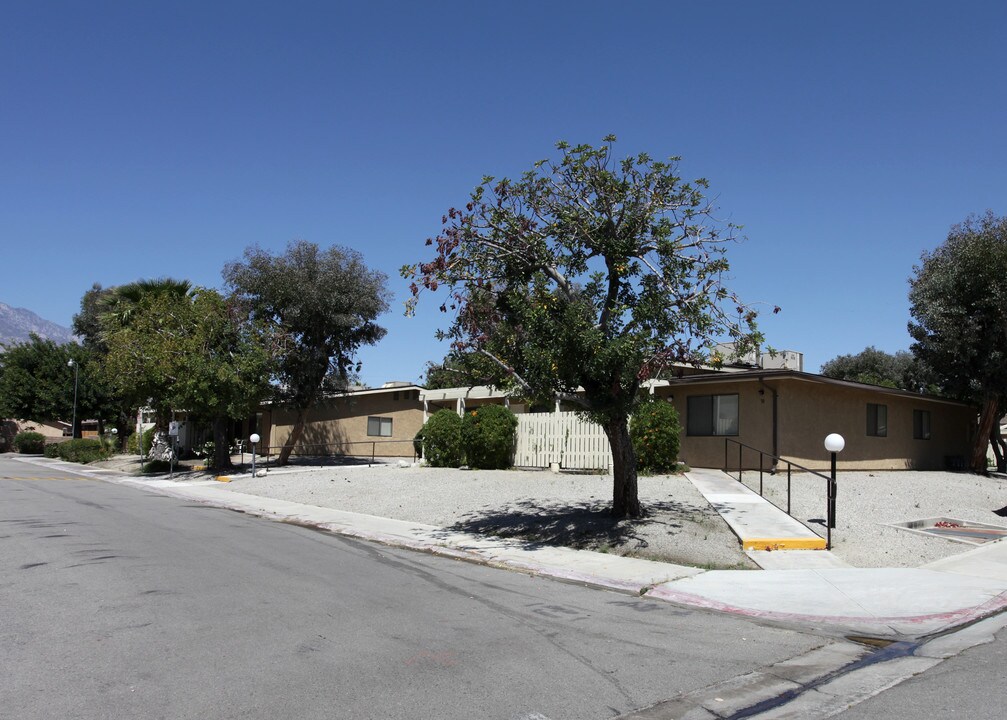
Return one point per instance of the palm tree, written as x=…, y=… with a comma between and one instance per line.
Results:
x=117, y=307
x=115, y=312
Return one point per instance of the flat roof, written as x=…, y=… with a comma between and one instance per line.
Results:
x=475, y=391
x=796, y=375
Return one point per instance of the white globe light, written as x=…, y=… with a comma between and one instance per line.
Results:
x=834, y=442
x=254, y=438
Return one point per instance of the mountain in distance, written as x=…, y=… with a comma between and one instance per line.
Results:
x=17, y=323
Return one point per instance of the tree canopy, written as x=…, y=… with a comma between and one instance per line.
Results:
x=958, y=299
x=876, y=367
x=192, y=352
x=322, y=306
x=584, y=278
x=37, y=383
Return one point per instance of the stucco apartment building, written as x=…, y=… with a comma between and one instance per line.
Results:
x=781, y=411
x=789, y=413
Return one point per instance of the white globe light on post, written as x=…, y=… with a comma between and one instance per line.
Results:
x=254, y=439
x=834, y=443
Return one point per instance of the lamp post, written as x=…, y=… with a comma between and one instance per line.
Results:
x=834, y=443
x=254, y=439
x=73, y=424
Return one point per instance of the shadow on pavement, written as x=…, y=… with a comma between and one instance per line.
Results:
x=577, y=525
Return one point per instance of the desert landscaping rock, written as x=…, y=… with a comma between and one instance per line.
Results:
x=557, y=509
x=866, y=501
x=681, y=527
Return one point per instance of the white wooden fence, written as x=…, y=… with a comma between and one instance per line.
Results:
x=563, y=438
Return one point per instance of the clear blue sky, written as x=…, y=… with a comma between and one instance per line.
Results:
x=143, y=139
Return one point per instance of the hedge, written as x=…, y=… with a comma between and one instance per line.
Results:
x=442, y=439
x=29, y=443
x=655, y=432
x=488, y=437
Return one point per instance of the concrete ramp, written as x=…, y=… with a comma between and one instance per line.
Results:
x=758, y=523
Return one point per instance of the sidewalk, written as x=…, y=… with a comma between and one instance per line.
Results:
x=896, y=603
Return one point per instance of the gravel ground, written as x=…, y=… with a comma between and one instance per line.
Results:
x=541, y=506
x=680, y=526
x=866, y=501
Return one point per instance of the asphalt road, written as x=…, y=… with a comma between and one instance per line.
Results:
x=119, y=603
x=970, y=685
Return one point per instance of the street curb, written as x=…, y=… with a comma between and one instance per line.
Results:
x=656, y=590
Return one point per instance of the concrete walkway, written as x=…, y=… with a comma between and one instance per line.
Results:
x=894, y=603
x=758, y=523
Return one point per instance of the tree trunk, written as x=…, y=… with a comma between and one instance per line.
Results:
x=988, y=419
x=295, y=435
x=625, y=497
x=221, y=447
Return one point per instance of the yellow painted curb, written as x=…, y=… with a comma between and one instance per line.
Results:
x=223, y=478
x=783, y=544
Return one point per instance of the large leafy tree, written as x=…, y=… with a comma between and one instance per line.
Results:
x=584, y=278
x=876, y=367
x=195, y=353
x=106, y=311
x=323, y=306
x=958, y=298
x=37, y=383
x=88, y=326
x=455, y=370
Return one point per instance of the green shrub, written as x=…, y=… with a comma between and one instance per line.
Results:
x=109, y=443
x=82, y=450
x=208, y=453
x=29, y=442
x=488, y=437
x=148, y=440
x=655, y=432
x=51, y=450
x=442, y=439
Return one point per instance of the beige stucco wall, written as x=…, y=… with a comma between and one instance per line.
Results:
x=339, y=425
x=755, y=426
x=808, y=411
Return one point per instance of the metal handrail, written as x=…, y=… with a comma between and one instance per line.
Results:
x=830, y=484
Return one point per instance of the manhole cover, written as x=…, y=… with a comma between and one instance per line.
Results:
x=966, y=531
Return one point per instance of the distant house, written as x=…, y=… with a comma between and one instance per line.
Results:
x=382, y=420
x=52, y=431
